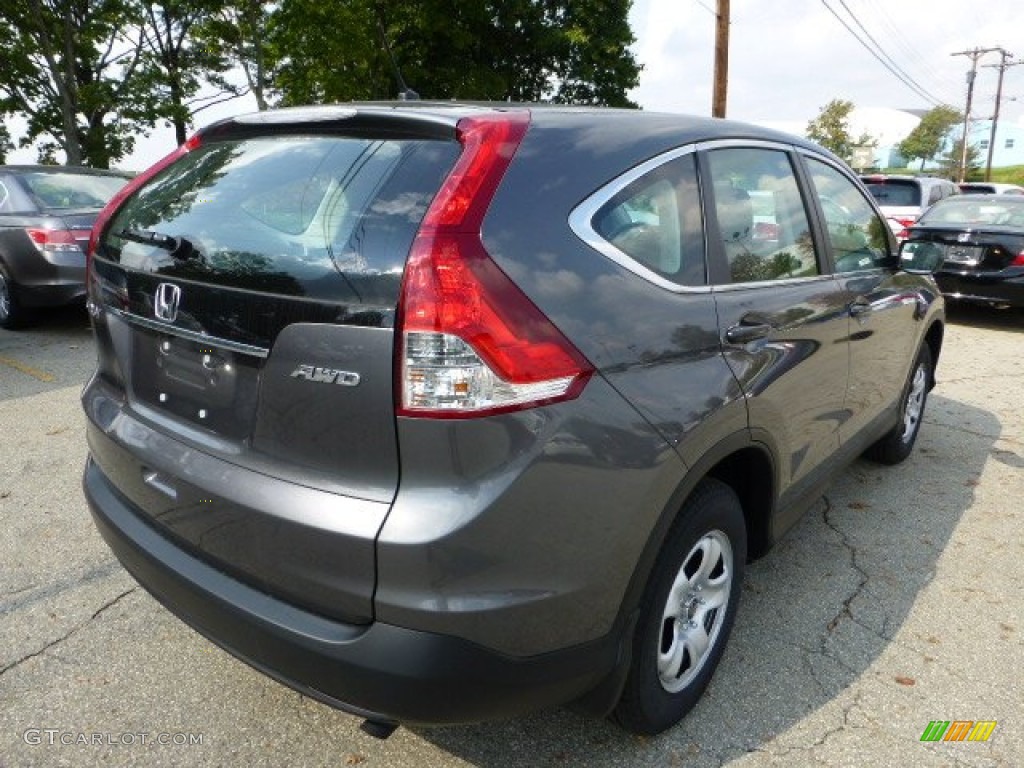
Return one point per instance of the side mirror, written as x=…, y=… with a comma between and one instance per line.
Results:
x=921, y=257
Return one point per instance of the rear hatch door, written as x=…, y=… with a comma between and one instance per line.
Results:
x=247, y=297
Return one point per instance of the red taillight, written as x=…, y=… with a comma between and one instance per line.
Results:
x=905, y=223
x=1019, y=261
x=472, y=343
x=57, y=240
x=765, y=230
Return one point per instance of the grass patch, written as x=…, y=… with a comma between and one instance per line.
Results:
x=1010, y=174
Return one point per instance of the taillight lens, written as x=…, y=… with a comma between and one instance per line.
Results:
x=905, y=224
x=1018, y=261
x=57, y=240
x=472, y=343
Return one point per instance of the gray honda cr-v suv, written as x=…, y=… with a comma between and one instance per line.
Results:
x=440, y=413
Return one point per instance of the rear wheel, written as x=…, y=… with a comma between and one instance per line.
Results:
x=687, y=611
x=897, y=444
x=12, y=315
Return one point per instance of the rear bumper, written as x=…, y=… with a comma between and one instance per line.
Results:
x=378, y=671
x=49, y=280
x=983, y=286
x=65, y=286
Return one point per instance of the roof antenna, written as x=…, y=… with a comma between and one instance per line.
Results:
x=405, y=93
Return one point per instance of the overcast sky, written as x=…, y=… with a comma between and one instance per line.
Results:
x=788, y=58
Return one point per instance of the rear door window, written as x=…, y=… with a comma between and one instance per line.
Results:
x=329, y=218
x=763, y=224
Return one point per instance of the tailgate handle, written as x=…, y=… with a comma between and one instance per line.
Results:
x=153, y=480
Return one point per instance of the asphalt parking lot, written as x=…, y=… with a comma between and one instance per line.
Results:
x=897, y=601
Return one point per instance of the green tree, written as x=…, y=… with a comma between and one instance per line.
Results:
x=925, y=141
x=320, y=65
x=831, y=129
x=524, y=50
x=240, y=30
x=177, y=63
x=5, y=142
x=596, y=66
x=71, y=69
x=950, y=161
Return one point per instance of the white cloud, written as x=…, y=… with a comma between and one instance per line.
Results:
x=787, y=60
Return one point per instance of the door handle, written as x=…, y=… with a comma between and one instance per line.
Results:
x=747, y=332
x=860, y=307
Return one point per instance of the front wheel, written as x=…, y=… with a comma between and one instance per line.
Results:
x=896, y=445
x=687, y=611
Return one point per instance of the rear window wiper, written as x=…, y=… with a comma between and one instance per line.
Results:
x=178, y=247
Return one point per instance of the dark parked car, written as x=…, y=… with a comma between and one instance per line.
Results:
x=441, y=413
x=980, y=239
x=46, y=214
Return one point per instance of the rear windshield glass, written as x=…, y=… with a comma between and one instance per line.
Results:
x=53, y=191
x=997, y=211
x=895, y=192
x=323, y=217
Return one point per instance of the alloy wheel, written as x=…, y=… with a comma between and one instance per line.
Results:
x=914, y=406
x=695, y=611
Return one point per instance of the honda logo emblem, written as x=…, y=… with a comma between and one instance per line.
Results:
x=165, y=302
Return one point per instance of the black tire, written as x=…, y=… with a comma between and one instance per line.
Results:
x=896, y=445
x=12, y=314
x=666, y=678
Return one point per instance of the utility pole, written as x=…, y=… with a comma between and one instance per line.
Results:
x=1002, y=66
x=974, y=55
x=721, y=59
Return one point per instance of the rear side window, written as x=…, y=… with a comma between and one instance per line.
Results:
x=762, y=221
x=323, y=217
x=656, y=221
x=895, y=192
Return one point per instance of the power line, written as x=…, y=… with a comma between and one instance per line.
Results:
x=884, y=59
x=915, y=61
x=896, y=68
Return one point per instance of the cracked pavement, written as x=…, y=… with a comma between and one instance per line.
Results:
x=897, y=600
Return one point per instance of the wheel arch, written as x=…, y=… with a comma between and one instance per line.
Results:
x=747, y=466
x=745, y=463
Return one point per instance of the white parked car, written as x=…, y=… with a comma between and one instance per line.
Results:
x=904, y=198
